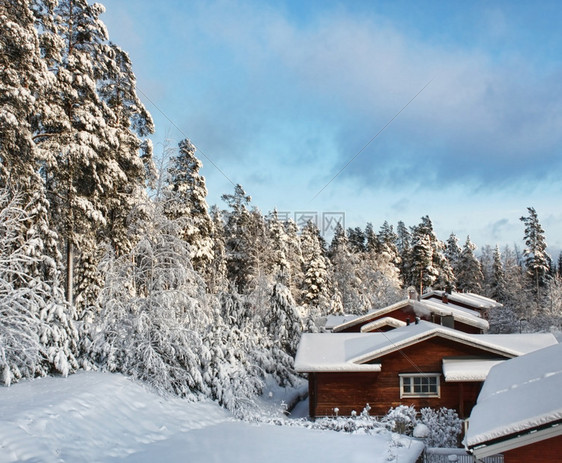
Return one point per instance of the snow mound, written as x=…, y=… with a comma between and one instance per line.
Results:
x=102, y=417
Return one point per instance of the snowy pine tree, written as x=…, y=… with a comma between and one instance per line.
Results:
x=345, y=268
x=316, y=285
x=537, y=261
x=423, y=274
x=37, y=332
x=185, y=200
x=469, y=272
x=153, y=311
x=88, y=136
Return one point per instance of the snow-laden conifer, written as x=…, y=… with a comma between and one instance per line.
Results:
x=537, y=260
x=185, y=200
x=316, y=286
x=346, y=274
x=37, y=332
x=153, y=312
x=89, y=135
x=469, y=271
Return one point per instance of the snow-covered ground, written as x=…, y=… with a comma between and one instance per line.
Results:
x=102, y=417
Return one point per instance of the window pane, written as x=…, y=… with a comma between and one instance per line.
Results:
x=420, y=385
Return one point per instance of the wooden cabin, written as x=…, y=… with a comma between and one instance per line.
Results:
x=423, y=364
x=407, y=311
x=519, y=410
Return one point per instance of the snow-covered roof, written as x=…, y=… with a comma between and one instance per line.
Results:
x=350, y=351
x=462, y=315
x=452, y=305
x=384, y=321
x=462, y=369
x=369, y=315
x=335, y=320
x=510, y=345
x=519, y=396
x=474, y=300
x=325, y=352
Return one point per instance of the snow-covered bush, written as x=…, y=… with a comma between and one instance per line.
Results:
x=401, y=419
x=151, y=313
x=444, y=427
x=37, y=333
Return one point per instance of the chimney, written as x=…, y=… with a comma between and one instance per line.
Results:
x=417, y=320
x=408, y=321
x=412, y=294
x=445, y=298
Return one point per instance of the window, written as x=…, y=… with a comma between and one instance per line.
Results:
x=419, y=385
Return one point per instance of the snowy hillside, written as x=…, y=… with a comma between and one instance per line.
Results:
x=101, y=417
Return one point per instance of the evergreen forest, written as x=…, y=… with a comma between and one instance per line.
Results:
x=108, y=262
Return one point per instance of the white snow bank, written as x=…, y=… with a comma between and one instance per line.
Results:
x=101, y=417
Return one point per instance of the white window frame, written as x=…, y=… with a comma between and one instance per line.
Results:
x=407, y=380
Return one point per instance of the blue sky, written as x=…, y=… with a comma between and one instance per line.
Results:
x=281, y=95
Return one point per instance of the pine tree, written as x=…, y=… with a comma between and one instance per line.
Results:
x=423, y=274
x=357, y=239
x=185, y=200
x=387, y=243
x=403, y=245
x=88, y=136
x=294, y=256
x=37, y=332
x=316, y=283
x=283, y=321
x=453, y=252
x=437, y=271
x=371, y=239
x=487, y=267
x=217, y=271
x=246, y=241
x=498, y=283
x=24, y=83
x=537, y=261
x=345, y=268
x=469, y=273
x=278, y=265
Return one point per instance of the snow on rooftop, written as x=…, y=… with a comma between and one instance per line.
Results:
x=335, y=320
x=348, y=351
x=472, y=299
x=519, y=344
x=441, y=309
x=371, y=314
x=425, y=306
x=319, y=352
x=385, y=321
x=456, y=369
x=453, y=305
x=518, y=395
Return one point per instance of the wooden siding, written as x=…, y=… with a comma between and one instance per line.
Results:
x=549, y=450
x=381, y=390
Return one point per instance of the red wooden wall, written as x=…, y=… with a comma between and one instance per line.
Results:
x=544, y=451
x=352, y=391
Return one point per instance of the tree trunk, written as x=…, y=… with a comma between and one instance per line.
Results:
x=69, y=272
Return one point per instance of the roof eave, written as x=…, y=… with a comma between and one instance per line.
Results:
x=521, y=439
